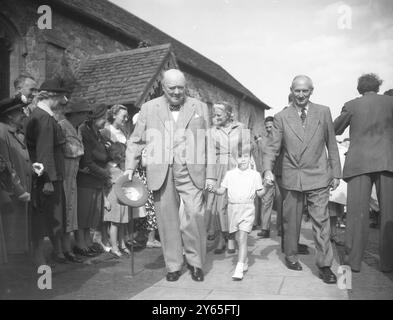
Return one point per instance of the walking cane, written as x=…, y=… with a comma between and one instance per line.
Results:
x=132, y=239
x=132, y=194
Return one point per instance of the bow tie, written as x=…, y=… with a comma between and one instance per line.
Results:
x=175, y=108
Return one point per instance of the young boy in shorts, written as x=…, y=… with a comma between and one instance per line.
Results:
x=241, y=183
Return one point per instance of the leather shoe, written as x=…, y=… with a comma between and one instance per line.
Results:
x=338, y=242
x=219, y=250
x=327, y=275
x=83, y=252
x=302, y=249
x=293, y=265
x=59, y=259
x=264, y=234
x=173, y=276
x=196, y=273
x=72, y=258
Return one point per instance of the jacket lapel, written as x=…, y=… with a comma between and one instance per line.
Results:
x=185, y=114
x=295, y=123
x=17, y=137
x=164, y=113
x=311, y=126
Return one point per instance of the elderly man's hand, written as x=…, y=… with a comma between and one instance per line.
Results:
x=334, y=184
x=129, y=173
x=210, y=184
x=268, y=176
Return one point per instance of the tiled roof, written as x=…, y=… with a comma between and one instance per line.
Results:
x=121, y=77
x=112, y=16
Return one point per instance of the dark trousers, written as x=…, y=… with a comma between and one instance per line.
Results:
x=358, y=202
x=48, y=217
x=293, y=207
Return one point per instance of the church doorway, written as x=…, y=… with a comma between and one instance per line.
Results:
x=4, y=68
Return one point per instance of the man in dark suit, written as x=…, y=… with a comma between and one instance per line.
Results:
x=305, y=131
x=173, y=128
x=45, y=140
x=369, y=160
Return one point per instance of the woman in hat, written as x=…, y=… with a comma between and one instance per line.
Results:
x=69, y=119
x=92, y=178
x=16, y=175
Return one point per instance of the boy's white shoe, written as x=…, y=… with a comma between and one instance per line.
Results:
x=245, y=267
x=238, y=275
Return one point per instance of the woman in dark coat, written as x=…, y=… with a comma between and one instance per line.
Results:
x=92, y=179
x=15, y=180
x=45, y=140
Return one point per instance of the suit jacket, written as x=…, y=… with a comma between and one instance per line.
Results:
x=165, y=139
x=45, y=140
x=305, y=163
x=370, y=118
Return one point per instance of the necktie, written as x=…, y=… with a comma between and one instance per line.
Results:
x=175, y=108
x=303, y=116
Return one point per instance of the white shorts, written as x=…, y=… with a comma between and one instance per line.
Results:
x=241, y=216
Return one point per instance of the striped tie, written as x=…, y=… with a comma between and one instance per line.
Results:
x=303, y=116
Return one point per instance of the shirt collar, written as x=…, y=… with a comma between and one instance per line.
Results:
x=299, y=110
x=45, y=108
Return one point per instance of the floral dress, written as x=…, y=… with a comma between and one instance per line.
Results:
x=149, y=222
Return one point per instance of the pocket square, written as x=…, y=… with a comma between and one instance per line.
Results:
x=197, y=116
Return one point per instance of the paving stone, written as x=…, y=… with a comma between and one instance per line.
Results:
x=311, y=287
x=160, y=293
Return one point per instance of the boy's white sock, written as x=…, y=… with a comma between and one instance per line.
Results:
x=238, y=275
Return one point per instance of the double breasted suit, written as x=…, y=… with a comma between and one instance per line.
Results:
x=179, y=160
x=307, y=171
x=369, y=160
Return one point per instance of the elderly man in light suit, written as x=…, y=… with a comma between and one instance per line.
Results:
x=174, y=130
x=369, y=160
x=304, y=131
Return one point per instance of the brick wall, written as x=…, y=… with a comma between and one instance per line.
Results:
x=63, y=49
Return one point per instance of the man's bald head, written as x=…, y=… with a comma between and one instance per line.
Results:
x=304, y=80
x=301, y=90
x=172, y=75
x=174, y=86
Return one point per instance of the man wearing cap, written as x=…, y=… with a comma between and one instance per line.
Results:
x=173, y=127
x=45, y=141
x=14, y=153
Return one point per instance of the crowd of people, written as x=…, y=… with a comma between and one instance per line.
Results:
x=60, y=158
x=65, y=155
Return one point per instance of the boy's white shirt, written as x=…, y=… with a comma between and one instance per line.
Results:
x=242, y=184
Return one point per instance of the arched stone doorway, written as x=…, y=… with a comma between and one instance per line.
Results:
x=4, y=68
x=11, y=56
